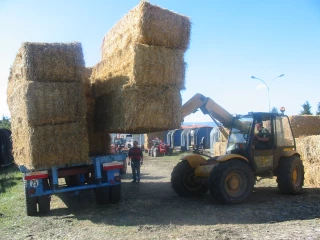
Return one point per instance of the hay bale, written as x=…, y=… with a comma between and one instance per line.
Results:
x=138, y=110
x=47, y=103
x=99, y=144
x=49, y=145
x=49, y=62
x=140, y=65
x=87, y=81
x=309, y=149
x=90, y=114
x=150, y=25
x=219, y=148
x=305, y=125
x=150, y=136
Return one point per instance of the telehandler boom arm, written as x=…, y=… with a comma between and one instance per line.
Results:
x=208, y=106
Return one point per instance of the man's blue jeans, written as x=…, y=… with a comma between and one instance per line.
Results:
x=135, y=166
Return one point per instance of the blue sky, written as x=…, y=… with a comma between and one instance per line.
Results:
x=230, y=41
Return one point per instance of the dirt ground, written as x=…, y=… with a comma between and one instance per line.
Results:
x=152, y=210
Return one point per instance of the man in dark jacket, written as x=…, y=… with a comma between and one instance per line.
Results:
x=136, y=158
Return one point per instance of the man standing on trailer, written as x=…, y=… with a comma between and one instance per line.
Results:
x=136, y=158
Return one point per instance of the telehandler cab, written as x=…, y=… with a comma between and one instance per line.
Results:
x=230, y=178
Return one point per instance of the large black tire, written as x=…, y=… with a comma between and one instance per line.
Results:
x=102, y=195
x=115, y=194
x=290, y=175
x=231, y=182
x=44, y=204
x=183, y=181
x=30, y=202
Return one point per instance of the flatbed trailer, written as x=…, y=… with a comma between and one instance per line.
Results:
x=101, y=175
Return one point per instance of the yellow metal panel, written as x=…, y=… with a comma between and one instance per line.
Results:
x=204, y=170
x=194, y=160
x=230, y=156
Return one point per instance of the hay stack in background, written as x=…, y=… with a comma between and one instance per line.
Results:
x=47, y=104
x=138, y=110
x=140, y=65
x=305, y=125
x=150, y=25
x=309, y=149
x=150, y=136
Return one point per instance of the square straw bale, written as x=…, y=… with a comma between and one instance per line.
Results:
x=42, y=103
x=140, y=65
x=87, y=81
x=148, y=24
x=99, y=144
x=139, y=110
x=42, y=147
x=305, y=125
x=309, y=149
x=49, y=62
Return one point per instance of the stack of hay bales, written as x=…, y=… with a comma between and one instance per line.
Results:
x=137, y=84
x=47, y=104
x=220, y=146
x=309, y=149
x=305, y=125
x=99, y=142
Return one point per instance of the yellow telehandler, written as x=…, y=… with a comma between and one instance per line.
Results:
x=230, y=178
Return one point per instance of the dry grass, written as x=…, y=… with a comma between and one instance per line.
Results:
x=140, y=65
x=47, y=102
x=138, y=110
x=309, y=149
x=305, y=125
x=49, y=145
x=49, y=62
x=150, y=25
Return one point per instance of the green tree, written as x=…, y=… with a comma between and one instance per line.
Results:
x=5, y=123
x=274, y=110
x=318, y=109
x=306, y=109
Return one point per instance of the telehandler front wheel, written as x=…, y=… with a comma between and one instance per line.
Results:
x=290, y=176
x=183, y=181
x=231, y=182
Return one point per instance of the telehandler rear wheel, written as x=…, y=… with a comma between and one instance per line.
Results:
x=290, y=175
x=183, y=181
x=231, y=182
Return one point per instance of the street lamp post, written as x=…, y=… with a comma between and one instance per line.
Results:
x=268, y=85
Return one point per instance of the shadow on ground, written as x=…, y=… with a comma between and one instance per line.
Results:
x=155, y=203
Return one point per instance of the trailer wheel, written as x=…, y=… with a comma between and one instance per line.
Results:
x=115, y=193
x=102, y=195
x=44, y=204
x=30, y=202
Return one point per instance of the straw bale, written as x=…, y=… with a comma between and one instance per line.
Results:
x=49, y=145
x=90, y=113
x=99, y=144
x=305, y=125
x=139, y=110
x=150, y=25
x=309, y=149
x=140, y=65
x=150, y=136
x=47, y=102
x=87, y=81
x=219, y=148
x=49, y=62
